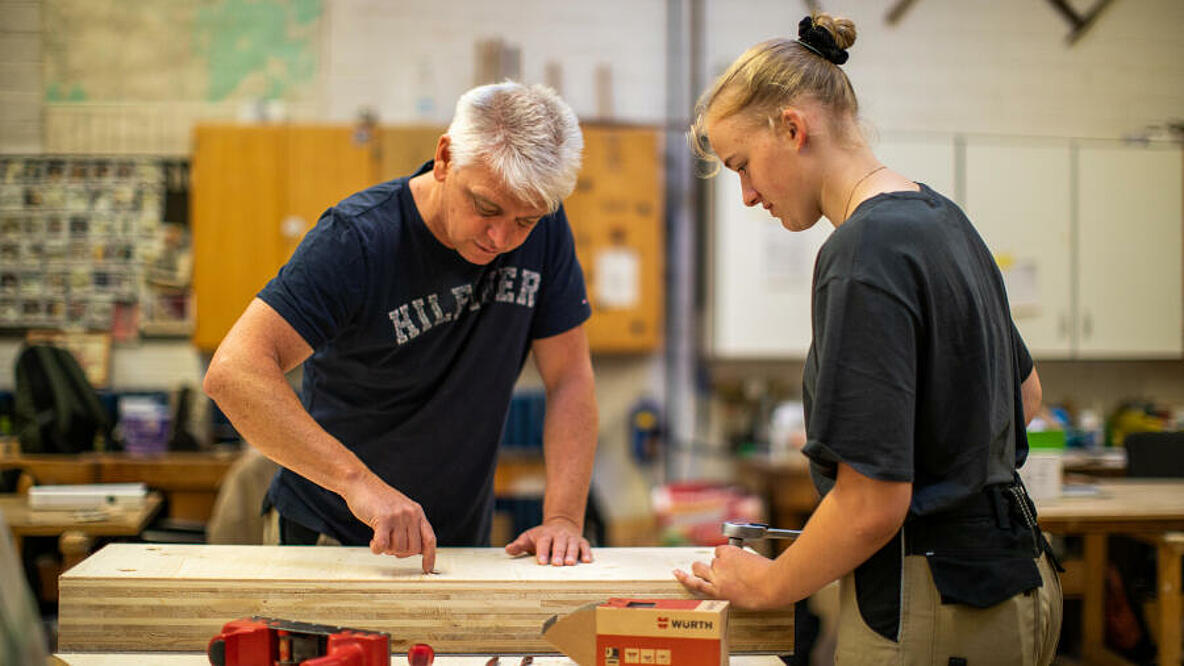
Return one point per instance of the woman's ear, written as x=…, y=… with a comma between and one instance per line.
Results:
x=793, y=123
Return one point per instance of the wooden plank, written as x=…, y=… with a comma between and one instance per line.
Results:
x=176, y=470
x=1092, y=616
x=1169, y=554
x=50, y=469
x=175, y=597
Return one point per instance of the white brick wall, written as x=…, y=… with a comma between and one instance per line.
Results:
x=951, y=65
x=385, y=55
x=20, y=76
x=1000, y=67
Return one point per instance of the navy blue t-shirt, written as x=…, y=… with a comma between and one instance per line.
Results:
x=416, y=353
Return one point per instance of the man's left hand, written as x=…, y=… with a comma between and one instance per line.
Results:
x=739, y=576
x=557, y=541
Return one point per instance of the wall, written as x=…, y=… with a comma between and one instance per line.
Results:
x=20, y=76
x=1000, y=67
x=410, y=61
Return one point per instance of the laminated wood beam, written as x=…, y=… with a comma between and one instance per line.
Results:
x=175, y=597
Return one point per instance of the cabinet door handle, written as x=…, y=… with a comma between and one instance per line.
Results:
x=1087, y=324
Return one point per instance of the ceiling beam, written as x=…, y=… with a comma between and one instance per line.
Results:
x=897, y=11
x=1079, y=22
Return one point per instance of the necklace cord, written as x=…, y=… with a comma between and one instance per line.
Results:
x=847, y=208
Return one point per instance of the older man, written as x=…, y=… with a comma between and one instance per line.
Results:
x=413, y=306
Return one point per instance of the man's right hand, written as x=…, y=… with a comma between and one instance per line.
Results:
x=400, y=526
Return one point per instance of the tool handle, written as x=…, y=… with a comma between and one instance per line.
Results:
x=773, y=533
x=736, y=541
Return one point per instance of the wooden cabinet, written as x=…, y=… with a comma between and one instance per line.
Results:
x=617, y=216
x=401, y=150
x=256, y=191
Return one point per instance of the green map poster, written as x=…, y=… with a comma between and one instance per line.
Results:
x=113, y=51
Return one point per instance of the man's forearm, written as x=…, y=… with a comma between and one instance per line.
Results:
x=569, y=441
x=265, y=410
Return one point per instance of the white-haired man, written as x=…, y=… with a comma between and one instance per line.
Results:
x=413, y=306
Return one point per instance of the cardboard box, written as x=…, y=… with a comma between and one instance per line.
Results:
x=623, y=632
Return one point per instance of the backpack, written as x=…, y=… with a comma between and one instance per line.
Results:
x=55, y=410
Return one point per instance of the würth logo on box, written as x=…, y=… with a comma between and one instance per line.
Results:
x=663, y=622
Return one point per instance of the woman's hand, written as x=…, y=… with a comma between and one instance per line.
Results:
x=739, y=576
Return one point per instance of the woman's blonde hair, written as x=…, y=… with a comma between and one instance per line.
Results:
x=771, y=75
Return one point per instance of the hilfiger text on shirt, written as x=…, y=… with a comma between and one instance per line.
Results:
x=507, y=284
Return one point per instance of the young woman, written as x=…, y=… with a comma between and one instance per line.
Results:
x=917, y=387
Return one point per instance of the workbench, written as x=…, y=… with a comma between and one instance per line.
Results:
x=1152, y=510
x=75, y=529
x=189, y=480
x=481, y=601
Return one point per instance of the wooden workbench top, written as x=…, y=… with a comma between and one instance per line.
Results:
x=322, y=565
x=175, y=597
x=1116, y=505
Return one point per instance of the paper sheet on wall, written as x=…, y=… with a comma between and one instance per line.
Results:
x=1023, y=286
x=618, y=278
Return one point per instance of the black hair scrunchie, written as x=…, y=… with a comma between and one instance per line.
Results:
x=819, y=40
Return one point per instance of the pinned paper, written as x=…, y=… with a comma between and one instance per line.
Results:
x=1021, y=279
x=618, y=278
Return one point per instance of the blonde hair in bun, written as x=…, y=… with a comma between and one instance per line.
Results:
x=773, y=74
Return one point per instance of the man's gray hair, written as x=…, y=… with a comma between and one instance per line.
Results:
x=525, y=134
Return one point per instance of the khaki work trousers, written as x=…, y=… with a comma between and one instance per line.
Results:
x=1021, y=631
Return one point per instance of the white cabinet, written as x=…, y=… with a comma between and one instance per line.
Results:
x=1088, y=234
x=1129, y=251
x=1018, y=196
